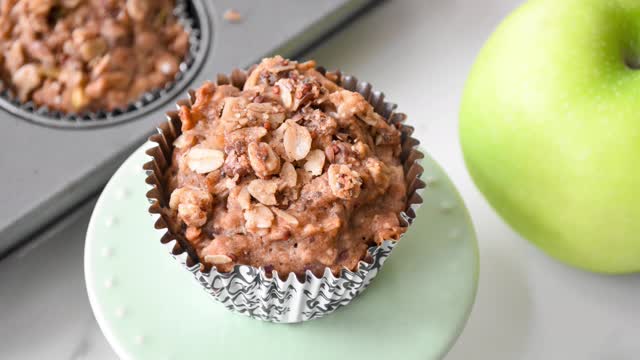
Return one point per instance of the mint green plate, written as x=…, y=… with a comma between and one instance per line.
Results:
x=148, y=307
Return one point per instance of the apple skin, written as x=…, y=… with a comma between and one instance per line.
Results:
x=550, y=129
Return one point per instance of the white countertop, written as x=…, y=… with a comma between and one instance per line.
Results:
x=528, y=306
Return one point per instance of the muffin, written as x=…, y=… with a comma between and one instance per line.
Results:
x=290, y=173
x=282, y=178
x=79, y=56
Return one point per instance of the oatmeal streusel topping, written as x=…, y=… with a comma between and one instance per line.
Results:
x=290, y=173
x=88, y=55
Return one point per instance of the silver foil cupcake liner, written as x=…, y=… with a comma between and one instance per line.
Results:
x=253, y=291
x=184, y=17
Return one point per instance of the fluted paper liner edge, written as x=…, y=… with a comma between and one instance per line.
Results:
x=251, y=291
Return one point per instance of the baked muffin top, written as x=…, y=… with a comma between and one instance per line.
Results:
x=79, y=56
x=290, y=173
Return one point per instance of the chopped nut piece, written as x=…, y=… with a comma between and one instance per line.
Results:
x=315, y=162
x=248, y=134
x=297, y=141
x=234, y=109
x=236, y=164
x=379, y=172
x=191, y=204
x=92, y=48
x=371, y=118
x=81, y=34
x=263, y=191
x=263, y=159
x=307, y=65
x=14, y=58
x=26, y=79
x=203, y=160
x=329, y=151
x=278, y=134
x=344, y=182
x=192, y=233
x=232, y=15
x=101, y=66
x=266, y=112
x=70, y=77
x=79, y=98
x=361, y=149
x=138, y=9
x=217, y=259
x=244, y=198
x=188, y=122
x=281, y=65
x=258, y=216
x=96, y=88
x=192, y=214
x=286, y=88
x=285, y=216
x=349, y=104
x=184, y=141
x=260, y=108
x=288, y=175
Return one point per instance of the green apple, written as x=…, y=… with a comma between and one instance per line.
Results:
x=550, y=129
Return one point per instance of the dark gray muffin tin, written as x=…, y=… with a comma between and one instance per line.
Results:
x=49, y=163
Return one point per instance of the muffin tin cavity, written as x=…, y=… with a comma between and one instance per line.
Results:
x=195, y=20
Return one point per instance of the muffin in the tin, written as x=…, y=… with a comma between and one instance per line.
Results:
x=290, y=173
x=82, y=56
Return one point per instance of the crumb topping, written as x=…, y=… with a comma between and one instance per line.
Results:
x=290, y=173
